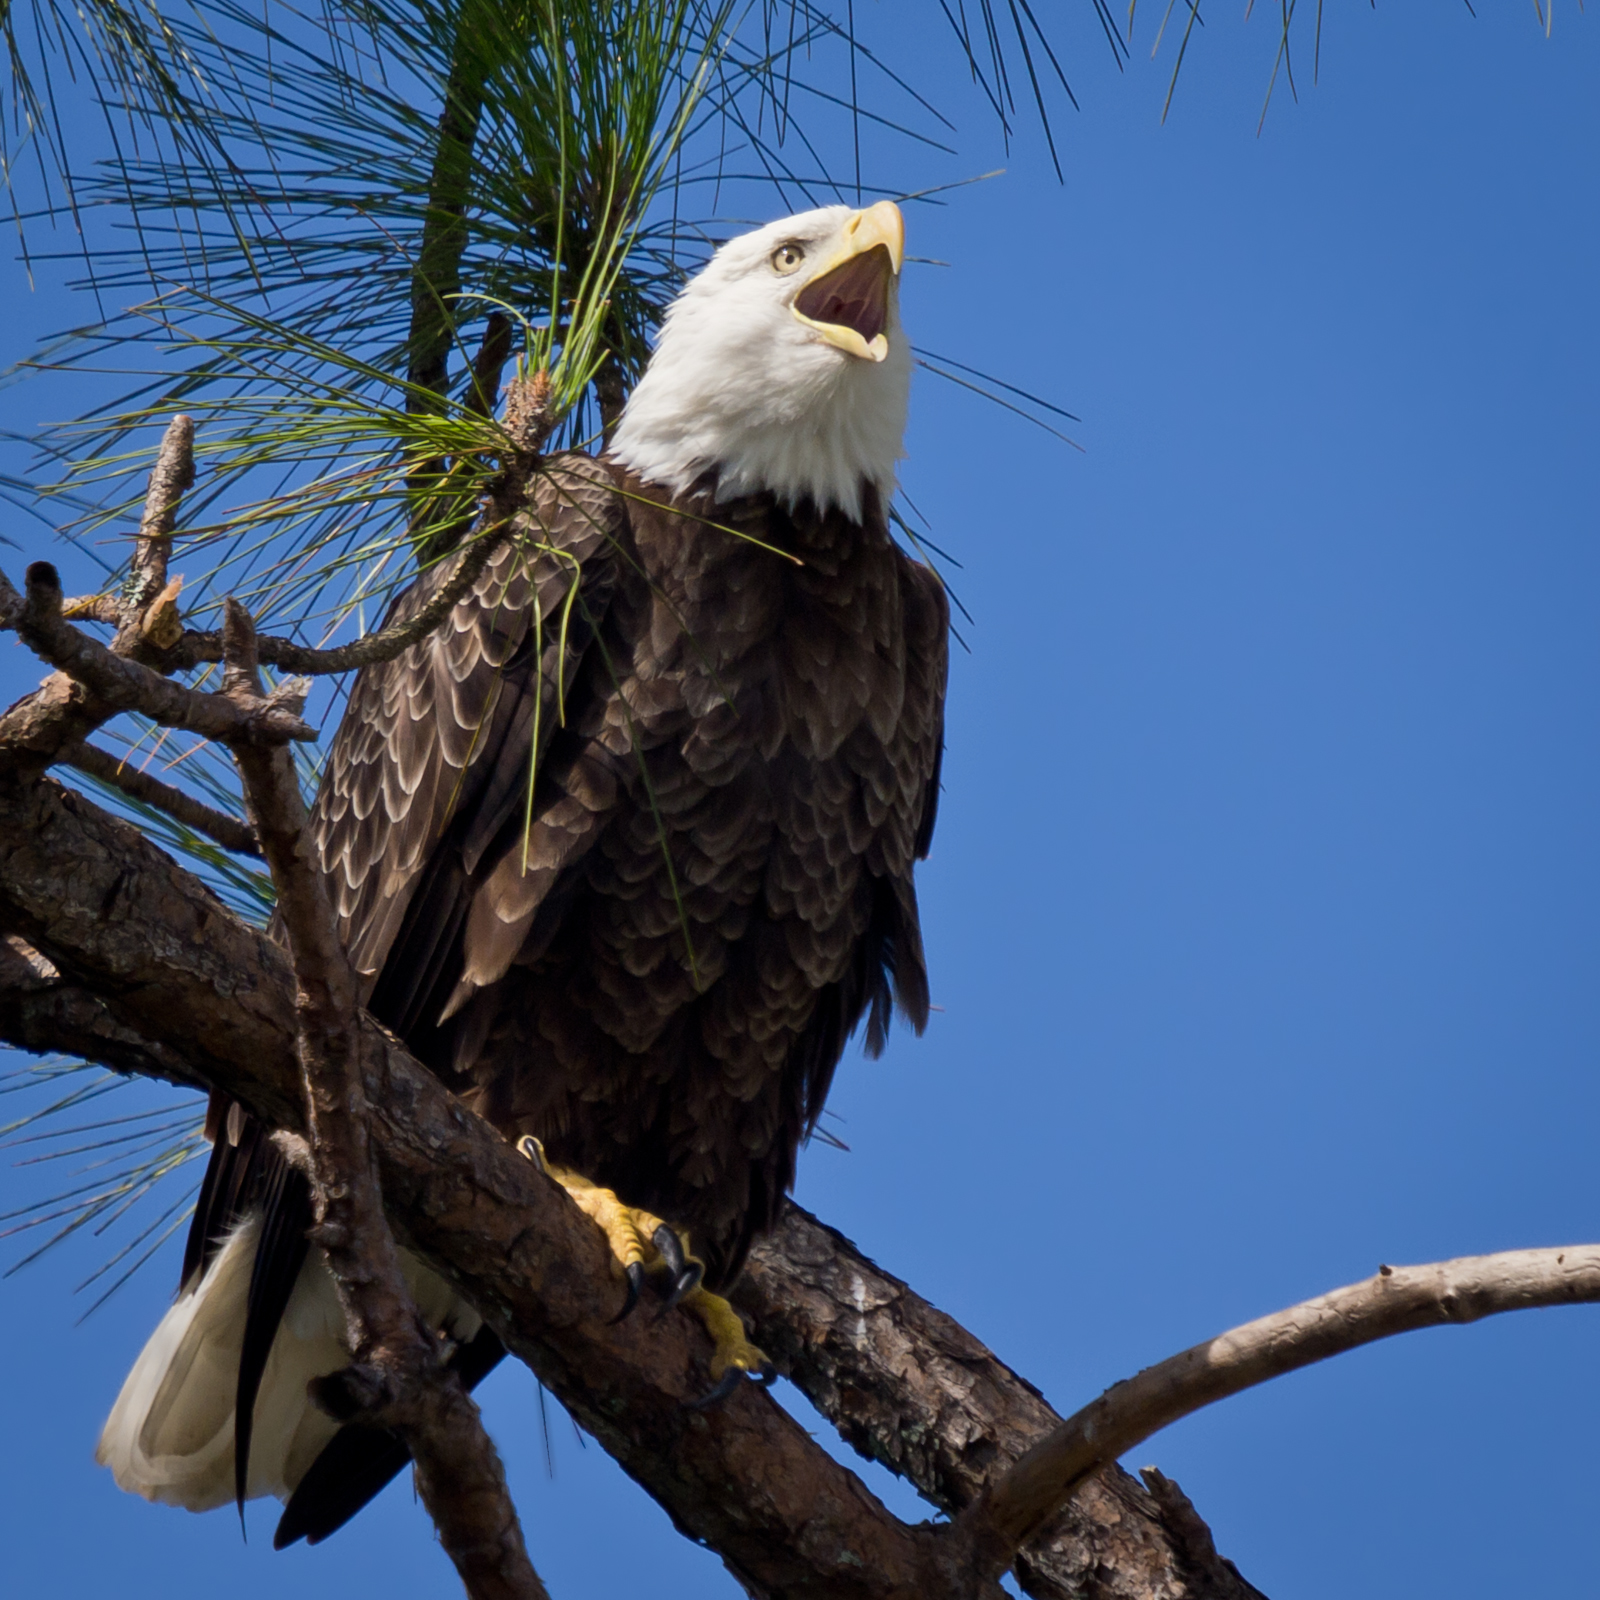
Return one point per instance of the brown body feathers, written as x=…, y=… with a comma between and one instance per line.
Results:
x=655, y=965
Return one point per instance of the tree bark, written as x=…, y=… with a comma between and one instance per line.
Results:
x=908, y=1386
x=398, y=1379
x=114, y=914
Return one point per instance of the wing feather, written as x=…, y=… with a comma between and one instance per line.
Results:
x=444, y=732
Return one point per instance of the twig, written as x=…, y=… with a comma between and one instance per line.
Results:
x=172, y=474
x=384, y=645
x=528, y=422
x=489, y=363
x=397, y=1380
x=93, y=608
x=232, y=833
x=119, y=683
x=1396, y=1300
x=65, y=709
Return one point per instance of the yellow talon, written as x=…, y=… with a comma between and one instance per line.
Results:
x=631, y=1232
x=733, y=1351
x=639, y=1241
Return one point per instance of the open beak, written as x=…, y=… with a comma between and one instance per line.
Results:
x=847, y=299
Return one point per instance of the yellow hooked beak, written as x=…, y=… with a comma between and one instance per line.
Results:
x=847, y=299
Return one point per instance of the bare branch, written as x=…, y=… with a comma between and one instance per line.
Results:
x=1395, y=1300
x=117, y=683
x=398, y=1380
x=93, y=608
x=66, y=707
x=232, y=833
x=907, y=1385
x=171, y=476
x=373, y=648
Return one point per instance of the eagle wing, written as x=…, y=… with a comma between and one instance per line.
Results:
x=443, y=739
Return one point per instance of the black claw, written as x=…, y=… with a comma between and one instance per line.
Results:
x=671, y=1248
x=687, y=1282
x=685, y=1270
x=635, y=1277
x=726, y=1384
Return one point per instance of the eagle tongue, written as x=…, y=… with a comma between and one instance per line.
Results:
x=854, y=294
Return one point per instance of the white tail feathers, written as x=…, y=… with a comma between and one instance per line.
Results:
x=170, y=1435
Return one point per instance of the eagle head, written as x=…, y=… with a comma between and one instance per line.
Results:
x=782, y=366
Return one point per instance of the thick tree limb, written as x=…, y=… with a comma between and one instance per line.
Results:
x=907, y=1385
x=398, y=1380
x=115, y=915
x=1395, y=1300
x=43, y=1014
x=232, y=833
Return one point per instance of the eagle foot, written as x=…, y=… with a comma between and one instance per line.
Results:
x=640, y=1242
x=735, y=1359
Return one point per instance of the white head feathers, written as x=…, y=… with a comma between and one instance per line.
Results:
x=807, y=400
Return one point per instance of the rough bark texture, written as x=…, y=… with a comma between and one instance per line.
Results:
x=43, y=1014
x=110, y=911
x=910, y=1387
x=398, y=1380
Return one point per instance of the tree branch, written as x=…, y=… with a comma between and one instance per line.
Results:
x=171, y=476
x=65, y=708
x=1395, y=1300
x=116, y=683
x=196, y=647
x=42, y=1013
x=117, y=917
x=908, y=1386
x=436, y=277
x=232, y=833
x=398, y=1380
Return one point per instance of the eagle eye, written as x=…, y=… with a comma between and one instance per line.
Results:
x=787, y=258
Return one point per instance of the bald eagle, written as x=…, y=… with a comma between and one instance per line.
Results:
x=728, y=682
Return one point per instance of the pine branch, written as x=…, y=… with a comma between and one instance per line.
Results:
x=114, y=683
x=195, y=647
x=907, y=1385
x=97, y=900
x=436, y=278
x=170, y=963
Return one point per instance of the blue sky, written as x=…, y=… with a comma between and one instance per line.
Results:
x=1264, y=911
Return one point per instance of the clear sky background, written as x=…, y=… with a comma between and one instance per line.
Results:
x=1264, y=910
